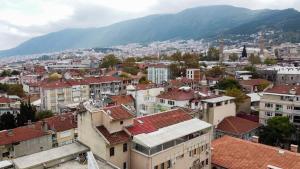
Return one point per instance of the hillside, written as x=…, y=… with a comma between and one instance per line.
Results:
x=194, y=23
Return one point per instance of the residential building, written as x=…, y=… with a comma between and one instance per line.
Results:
x=24, y=140
x=217, y=108
x=56, y=95
x=174, y=97
x=9, y=105
x=235, y=153
x=158, y=73
x=103, y=85
x=281, y=100
x=194, y=74
x=145, y=97
x=63, y=129
x=281, y=75
x=254, y=85
x=237, y=127
x=101, y=129
x=171, y=139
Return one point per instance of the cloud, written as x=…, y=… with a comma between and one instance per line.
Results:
x=21, y=20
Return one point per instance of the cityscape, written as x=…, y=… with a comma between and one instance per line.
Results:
x=149, y=84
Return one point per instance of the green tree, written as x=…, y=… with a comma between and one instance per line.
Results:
x=27, y=112
x=109, y=61
x=239, y=95
x=143, y=80
x=277, y=132
x=7, y=121
x=44, y=114
x=5, y=73
x=216, y=71
x=228, y=83
x=213, y=54
x=269, y=61
x=191, y=60
x=262, y=86
x=254, y=59
x=14, y=72
x=253, y=70
x=16, y=89
x=233, y=57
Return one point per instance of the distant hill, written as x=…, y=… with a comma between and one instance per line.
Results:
x=194, y=23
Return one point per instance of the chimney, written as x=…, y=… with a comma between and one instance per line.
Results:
x=254, y=139
x=10, y=132
x=294, y=148
x=44, y=126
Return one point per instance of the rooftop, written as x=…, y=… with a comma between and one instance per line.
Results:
x=177, y=94
x=218, y=99
x=171, y=132
x=253, y=82
x=44, y=157
x=237, y=125
x=118, y=112
x=61, y=122
x=122, y=99
x=284, y=89
x=114, y=138
x=153, y=122
x=234, y=153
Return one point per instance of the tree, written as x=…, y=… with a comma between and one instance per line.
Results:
x=14, y=72
x=213, y=54
x=44, y=114
x=228, y=83
x=254, y=59
x=16, y=89
x=109, y=61
x=269, y=61
x=7, y=121
x=233, y=57
x=216, y=71
x=262, y=86
x=244, y=53
x=253, y=70
x=143, y=80
x=191, y=60
x=239, y=95
x=27, y=113
x=5, y=73
x=277, y=132
x=176, y=70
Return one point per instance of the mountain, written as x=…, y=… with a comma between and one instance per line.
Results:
x=194, y=23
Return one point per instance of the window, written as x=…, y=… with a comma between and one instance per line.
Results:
x=156, y=167
x=269, y=105
x=6, y=154
x=125, y=147
x=121, y=122
x=162, y=101
x=190, y=153
x=268, y=114
x=124, y=165
x=169, y=164
x=206, y=161
x=112, y=151
x=219, y=104
x=162, y=166
x=171, y=102
x=195, y=151
x=278, y=107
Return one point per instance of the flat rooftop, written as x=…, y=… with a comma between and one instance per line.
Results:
x=44, y=157
x=169, y=133
x=218, y=99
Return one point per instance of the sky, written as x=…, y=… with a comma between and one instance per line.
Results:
x=21, y=20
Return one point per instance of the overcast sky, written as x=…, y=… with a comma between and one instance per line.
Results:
x=21, y=20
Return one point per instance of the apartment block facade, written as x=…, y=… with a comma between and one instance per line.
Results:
x=281, y=100
x=158, y=73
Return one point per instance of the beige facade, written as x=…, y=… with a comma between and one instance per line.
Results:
x=90, y=135
x=274, y=104
x=194, y=153
x=55, y=98
x=216, y=109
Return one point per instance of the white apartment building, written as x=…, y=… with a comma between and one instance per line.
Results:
x=145, y=97
x=281, y=100
x=158, y=73
x=193, y=74
x=57, y=95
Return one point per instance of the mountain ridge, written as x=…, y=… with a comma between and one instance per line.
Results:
x=193, y=23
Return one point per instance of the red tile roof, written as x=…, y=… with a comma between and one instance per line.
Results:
x=114, y=138
x=101, y=79
x=118, y=112
x=122, y=99
x=55, y=85
x=253, y=82
x=160, y=65
x=177, y=94
x=234, y=153
x=5, y=100
x=237, y=125
x=21, y=134
x=61, y=122
x=284, y=89
x=151, y=123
